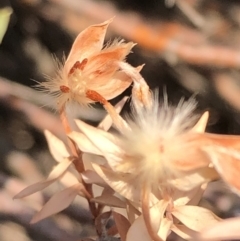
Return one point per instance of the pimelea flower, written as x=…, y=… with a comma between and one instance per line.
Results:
x=144, y=173
x=91, y=73
x=156, y=152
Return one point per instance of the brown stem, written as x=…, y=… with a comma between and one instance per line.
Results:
x=100, y=208
x=78, y=163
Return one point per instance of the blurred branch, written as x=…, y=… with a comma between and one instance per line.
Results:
x=228, y=88
x=191, y=13
x=21, y=213
x=39, y=118
x=9, y=88
x=185, y=43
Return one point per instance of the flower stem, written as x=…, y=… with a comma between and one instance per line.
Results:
x=78, y=163
x=120, y=124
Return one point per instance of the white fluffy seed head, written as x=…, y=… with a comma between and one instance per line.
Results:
x=155, y=136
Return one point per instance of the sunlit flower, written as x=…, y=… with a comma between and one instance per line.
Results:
x=171, y=187
x=158, y=151
x=91, y=73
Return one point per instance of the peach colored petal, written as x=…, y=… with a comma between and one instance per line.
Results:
x=60, y=169
x=58, y=202
x=36, y=187
x=141, y=95
x=200, y=126
x=183, y=231
x=195, y=159
x=120, y=183
x=55, y=174
x=102, y=140
x=107, y=122
x=165, y=228
x=227, y=229
x=56, y=147
x=91, y=177
x=101, y=67
x=83, y=143
x=194, y=217
x=12, y=187
x=109, y=200
x=132, y=211
x=227, y=163
x=89, y=41
x=70, y=178
x=191, y=181
x=88, y=159
x=138, y=230
x=114, y=86
x=122, y=224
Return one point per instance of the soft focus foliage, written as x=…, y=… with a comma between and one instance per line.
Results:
x=5, y=14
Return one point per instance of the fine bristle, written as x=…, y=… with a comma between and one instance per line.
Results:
x=164, y=120
x=155, y=132
x=52, y=86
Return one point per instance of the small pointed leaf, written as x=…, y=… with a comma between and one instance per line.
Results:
x=110, y=201
x=194, y=217
x=165, y=228
x=84, y=144
x=138, y=230
x=102, y=140
x=202, y=123
x=56, y=173
x=59, y=169
x=107, y=122
x=122, y=224
x=56, y=147
x=121, y=184
x=183, y=231
x=58, y=202
x=91, y=177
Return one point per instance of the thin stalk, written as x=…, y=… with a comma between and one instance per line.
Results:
x=78, y=163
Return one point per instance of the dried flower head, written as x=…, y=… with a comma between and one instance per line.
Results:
x=136, y=167
x=89, y=71
x=154, y=148
x=157, y=151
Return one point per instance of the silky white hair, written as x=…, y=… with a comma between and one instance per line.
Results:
x=154, y=138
